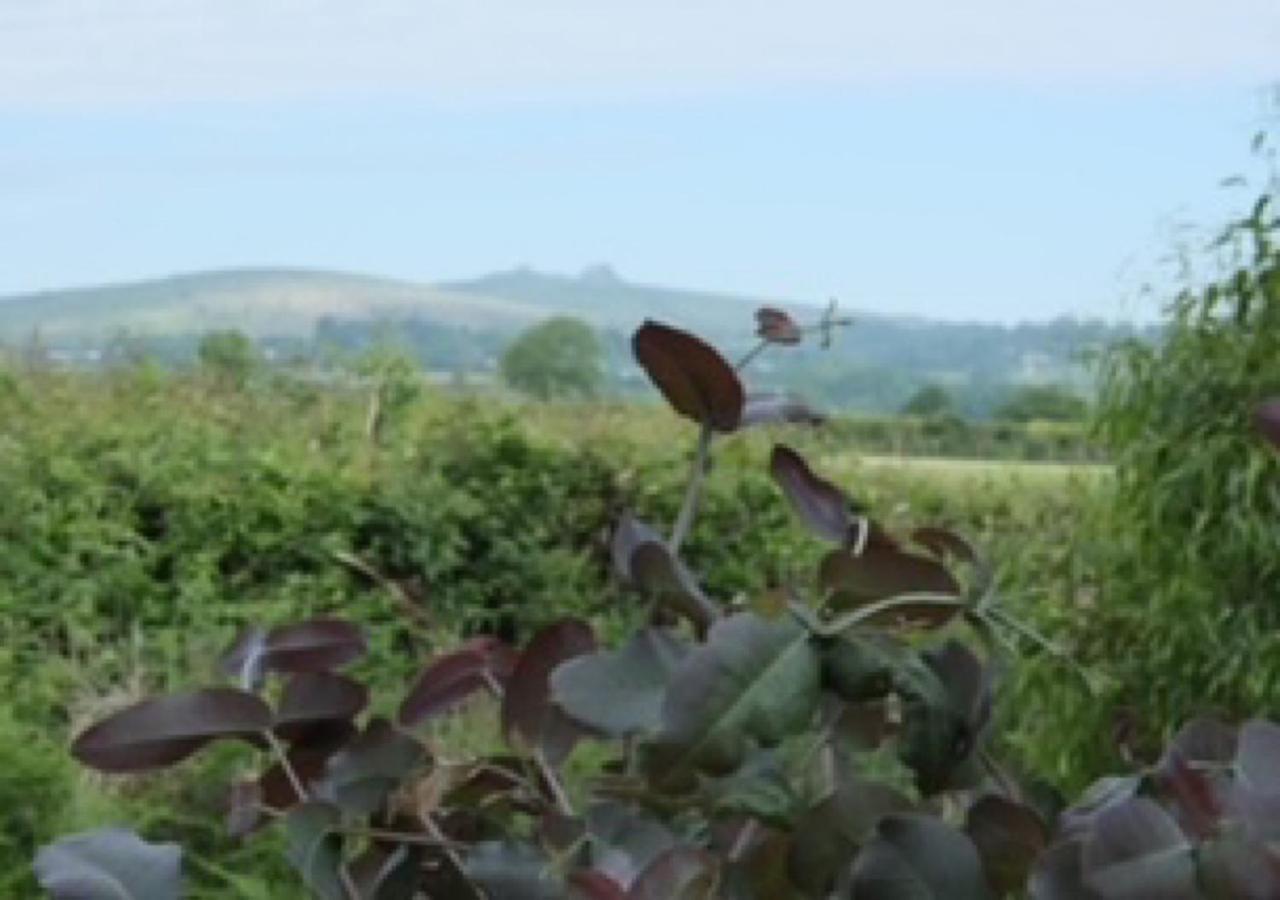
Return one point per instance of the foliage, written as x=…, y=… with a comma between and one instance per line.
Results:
x=1200, y=824
x=730, y=735
x=229, y=355
x=929, y=400
x=560, y=357
x=1182, y=617
x=1043, y=403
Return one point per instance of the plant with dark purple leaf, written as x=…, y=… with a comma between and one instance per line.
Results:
x=829, y=740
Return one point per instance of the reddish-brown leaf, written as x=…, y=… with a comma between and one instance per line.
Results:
x=691, y=374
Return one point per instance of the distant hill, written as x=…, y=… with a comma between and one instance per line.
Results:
x=261, y=302
x=462, y=326
x=603, y=298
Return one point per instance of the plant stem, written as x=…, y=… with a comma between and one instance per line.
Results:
x=694, y=490
x=344, y=874
x=858, y=616
x=558, y=793
x=750, y=355
x=282, y=757
x=1000, y=617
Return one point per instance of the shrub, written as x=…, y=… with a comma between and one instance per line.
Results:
x=796, y=744
x=1184, y=615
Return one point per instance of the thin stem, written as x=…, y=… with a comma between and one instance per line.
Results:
x=1000, y=617
x=743, y=840
x=694, y=490
x=282, y=757
x=344, y=874
x=751, y=354
x=856, y=617
x=558, y=793
x=1001, y=777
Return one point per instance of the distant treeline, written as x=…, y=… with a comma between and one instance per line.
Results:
x=876, y=367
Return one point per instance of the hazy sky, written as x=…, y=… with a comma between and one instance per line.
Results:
x=996, y=159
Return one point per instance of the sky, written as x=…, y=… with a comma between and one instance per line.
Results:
x=995, y=160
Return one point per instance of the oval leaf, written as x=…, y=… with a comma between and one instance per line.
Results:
x=821, y=505
x=318, y=699
x=165, y=730
x=691, y=374
x=449, y=680
x=110, y=864
x=313, y=646
x=1009, y=837
x=528, y=716
x=916, y=857
x=754, y=681
x=776, y=326
x=619, y=692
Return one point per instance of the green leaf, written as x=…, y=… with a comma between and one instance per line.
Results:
x=512, y=871
x=315, y=849
x=917, y=857
x=619, y=692
x=361, y=775
x=753, y=682
x=109, y=864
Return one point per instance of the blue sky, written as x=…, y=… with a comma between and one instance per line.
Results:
x=1010, y=160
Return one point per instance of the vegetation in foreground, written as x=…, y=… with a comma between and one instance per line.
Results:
x=706, y=786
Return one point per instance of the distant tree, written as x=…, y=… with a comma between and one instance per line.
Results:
x=560, y=357
x=1047, y=403
x=930, y=400
x=229, y=355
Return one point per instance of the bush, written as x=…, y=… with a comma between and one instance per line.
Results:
x=1184, y=615
x=800, y=742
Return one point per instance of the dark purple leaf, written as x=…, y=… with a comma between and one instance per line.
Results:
x=110, y=864
x=590, y=885
x=1009, y=837
x=528, y=715
x=776, y=326
x=1266, y=419
x=308, y=760
x=821, y=505
x=882, y=572
x=449, y=680
x=318, y=699
x=165, y=730
x=661, y=575
x=694, y=378
x=313, y=646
